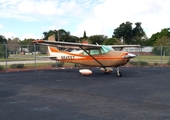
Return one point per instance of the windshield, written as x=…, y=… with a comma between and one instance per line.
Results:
x=106, y=49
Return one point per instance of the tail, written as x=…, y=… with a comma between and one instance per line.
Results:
x=52, y=50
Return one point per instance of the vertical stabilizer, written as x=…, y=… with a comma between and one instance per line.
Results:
x=52, y=49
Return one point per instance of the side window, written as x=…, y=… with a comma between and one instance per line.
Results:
x=84, y=53
x=92, y=52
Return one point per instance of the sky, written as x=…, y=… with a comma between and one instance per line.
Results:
x=30, y=18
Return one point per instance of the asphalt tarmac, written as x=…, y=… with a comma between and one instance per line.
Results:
x=140, y=94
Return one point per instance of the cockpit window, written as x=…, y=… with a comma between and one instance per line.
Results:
x=102, y=50
x=93, y=52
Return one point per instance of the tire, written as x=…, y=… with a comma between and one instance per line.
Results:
x=118, y=74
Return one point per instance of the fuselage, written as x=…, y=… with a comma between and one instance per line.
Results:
x=105, y=56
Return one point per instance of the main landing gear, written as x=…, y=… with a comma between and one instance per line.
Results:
x=118, y=73
x=108, y=70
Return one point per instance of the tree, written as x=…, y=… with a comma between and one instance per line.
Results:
x=128, y=34
x=3, y=42
x=45, y=35
x=49, y=33
x=163, y=41
x=72, y=38
x=138, y=35
x=111, y=41
x=84, y=35
x=158, y=36
x=27, y=43
x=63, y=35
x=60, y=35
x=159, y=50
x=13, y=45
x=99, y=39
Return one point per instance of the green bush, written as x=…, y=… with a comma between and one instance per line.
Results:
x=53, y=65
x=13, y=66
x=1, y=67
x=143, y=63
x=168, y=62
x=155, y=63
x=17, y=66
x=136, y=63
x=59, y=64
x=20, y=65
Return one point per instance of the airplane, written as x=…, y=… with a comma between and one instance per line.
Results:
x=102, y=56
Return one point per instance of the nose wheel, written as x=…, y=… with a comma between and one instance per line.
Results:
x=118, y=73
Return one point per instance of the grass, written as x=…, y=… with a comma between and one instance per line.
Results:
x=17, y=57
x=37, y=64
x=152, y=59
x=41, y=64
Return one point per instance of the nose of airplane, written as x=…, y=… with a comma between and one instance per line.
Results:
x=129, y=55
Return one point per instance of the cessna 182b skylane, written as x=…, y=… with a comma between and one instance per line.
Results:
x=90, y=55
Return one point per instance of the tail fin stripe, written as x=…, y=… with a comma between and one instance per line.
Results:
x=52, y=49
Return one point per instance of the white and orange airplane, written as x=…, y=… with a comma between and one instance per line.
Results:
x=92, y=55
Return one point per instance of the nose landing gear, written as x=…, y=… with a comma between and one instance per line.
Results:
x=118, y=73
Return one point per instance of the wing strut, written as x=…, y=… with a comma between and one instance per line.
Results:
x=93, y=57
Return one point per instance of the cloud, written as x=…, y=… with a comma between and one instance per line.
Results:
x=48, y=8
x=26, y=7
x=1, y=26
x=9, y=35
x=154, y=16
x=91, y=26
x=12, y=35
x=30, y=35
x=38, y=9
x=95, y=17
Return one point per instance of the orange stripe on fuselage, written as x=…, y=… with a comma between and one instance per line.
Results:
x=89, y=58
x=53, y=49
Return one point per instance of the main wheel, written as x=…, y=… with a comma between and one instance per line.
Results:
x=118, y=73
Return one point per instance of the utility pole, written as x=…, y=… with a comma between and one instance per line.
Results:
x=58, y=35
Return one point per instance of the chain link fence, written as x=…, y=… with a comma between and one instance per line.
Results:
x=33, y=57
x=150, y=56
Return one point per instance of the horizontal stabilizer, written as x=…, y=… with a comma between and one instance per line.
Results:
x=47, y=56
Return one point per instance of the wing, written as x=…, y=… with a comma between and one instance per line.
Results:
x=58, y=43
x=120, y=47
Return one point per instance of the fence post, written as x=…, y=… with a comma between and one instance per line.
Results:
x=139, y=56
x=6, y=59
x=161, y=55
x=34, y=57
